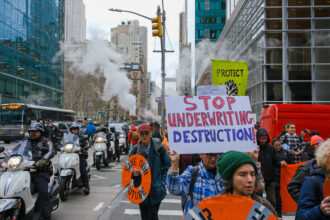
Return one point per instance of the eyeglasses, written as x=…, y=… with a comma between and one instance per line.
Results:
x=209, y=156
x=144, y=133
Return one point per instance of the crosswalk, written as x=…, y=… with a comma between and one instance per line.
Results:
x=170, y=209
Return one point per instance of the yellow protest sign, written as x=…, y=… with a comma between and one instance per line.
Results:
x=232, y=74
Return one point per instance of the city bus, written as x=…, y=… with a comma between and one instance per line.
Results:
x=16, y=118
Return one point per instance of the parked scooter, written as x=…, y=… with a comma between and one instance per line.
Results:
x=100, y=150
x=69, y=172
x=18, y=194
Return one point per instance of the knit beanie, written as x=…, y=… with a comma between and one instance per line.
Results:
x=229, y=162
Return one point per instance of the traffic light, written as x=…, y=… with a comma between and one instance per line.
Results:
x=157, y=26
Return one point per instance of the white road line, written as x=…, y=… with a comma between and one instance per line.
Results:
x=161, y=212
x=99, y=206
x=173, y=201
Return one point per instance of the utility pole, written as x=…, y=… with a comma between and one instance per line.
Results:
x=162, y=46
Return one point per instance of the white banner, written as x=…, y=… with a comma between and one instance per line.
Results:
x=217, y=90
x=210, y=124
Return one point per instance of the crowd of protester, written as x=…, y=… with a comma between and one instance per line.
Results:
x=196, y=177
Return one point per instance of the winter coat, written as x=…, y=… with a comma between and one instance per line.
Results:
x=308, y=154
x=268, y=157
x=159, y=163
x=308, y=205
x=283, y=155
x=130, y=139
x=90, y=129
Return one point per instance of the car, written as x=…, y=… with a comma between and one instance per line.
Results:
x=62, y=126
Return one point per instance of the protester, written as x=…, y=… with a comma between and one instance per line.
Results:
x=268, y=158
x=207, y=181
x=239, y=171
x=284, y=130
x=159, y=162
x=306, y=145
x=311, y=203
x=133, y=136
x=90, y=130
x=294, y=141
x=284, y=157
x=157, y=133
x=309, y=152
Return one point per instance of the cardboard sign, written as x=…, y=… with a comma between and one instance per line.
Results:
x=326, y=188
x=228, y=207
x=136, y=194
x=209, y=124
x=218, y=90
x=232, y=74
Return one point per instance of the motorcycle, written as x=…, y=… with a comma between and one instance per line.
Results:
x=69, y=172
x=100, y=150
x=122, y=144
x=18, y=194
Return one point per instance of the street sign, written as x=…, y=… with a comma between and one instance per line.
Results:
x=101, y=113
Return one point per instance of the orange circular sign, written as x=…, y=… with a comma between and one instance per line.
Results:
x=228, y=207
x=136, y=194
x=326, y=188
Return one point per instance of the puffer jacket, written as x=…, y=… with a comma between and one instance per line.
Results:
x=308, y=205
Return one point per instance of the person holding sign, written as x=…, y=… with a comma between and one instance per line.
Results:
x=239, y=171
x=197, y=183
x=312, y=204
x=159, y=162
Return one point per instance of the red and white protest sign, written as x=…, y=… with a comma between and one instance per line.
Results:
x=210, y=124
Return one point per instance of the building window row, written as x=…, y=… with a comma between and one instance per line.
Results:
x=210, y=5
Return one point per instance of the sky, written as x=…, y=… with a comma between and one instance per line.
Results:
x=98, y=16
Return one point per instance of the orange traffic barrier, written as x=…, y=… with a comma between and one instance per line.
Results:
x=326, y=188
x=228, y=207
x=136, y=194
x=287, y=172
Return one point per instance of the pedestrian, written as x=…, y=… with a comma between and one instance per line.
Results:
x=284, y=130
x=90, y=131
x=294, y=141
x=311, y=203
x=309, y=152
x=46, y=130
x=55, y=135
x=133, y=136
x=196, y=182
x=268, y=159
x=239, y=172
x=157, y=133
x=157, y=157
x=306, y=145
x=284, y=157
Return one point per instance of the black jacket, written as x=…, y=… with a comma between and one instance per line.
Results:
x=41, y=148
x=283, y=155
x=308, y=154
x=267, y=157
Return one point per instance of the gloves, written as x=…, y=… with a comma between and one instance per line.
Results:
x=42, y=165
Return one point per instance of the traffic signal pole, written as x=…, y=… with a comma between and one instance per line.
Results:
x=162, y=46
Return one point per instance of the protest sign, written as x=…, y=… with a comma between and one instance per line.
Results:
x=225, y=207
x=217, y=90
x=209, y=124
x=134, y=192
x=232, y=74
x=326, y=188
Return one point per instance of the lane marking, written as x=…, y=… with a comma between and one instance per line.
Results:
x=161, y=212
x=97, y=177
x=173, y=201
x=99, y=206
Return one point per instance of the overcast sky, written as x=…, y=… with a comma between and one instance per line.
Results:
x=98, y=16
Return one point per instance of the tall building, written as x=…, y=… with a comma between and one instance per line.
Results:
x=183, y=74
x=130, y=40
x=75, y=22
x=287, y=46
x=30, y=32
x=210, y=19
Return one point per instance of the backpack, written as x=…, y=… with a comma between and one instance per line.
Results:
x=295, y=184
x=135, y=135
x=191, y=187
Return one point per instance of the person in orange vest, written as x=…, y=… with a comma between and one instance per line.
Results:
x=165, y=142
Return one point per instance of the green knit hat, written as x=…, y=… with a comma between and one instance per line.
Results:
x=229, y=162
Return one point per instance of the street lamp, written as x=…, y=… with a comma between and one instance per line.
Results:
x=160, y=27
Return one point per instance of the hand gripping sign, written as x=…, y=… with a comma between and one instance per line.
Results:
x=228, y=207
x=136, y=193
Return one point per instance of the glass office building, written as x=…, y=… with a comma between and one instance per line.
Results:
x=287, y=46
x=30, y=32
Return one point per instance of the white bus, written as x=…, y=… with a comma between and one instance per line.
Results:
x=15, y=118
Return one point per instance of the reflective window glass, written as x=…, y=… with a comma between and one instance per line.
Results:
x=274, y=3
x=299, y=24
x=274, y=12
x=274, y=56
x=322, y=2
x=299, y=55
x=299, y=2
x=299, y=39
x=299, y=72
x=322, y=91
x=322, y=72
x=299, y=12
x=274, y=91
x=322, y=24
x=322, y=12
x=300, y=91
x=274, y=72
x=322, y=55
x=274, y=24
x=322, y=38
x=274, y=39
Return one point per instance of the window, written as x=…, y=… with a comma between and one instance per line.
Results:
x=274, y=24
x=322, y=12
x=299, y=72
x=322, y=2
x=274, y=72
x=322, y=38
x=213, y=34
x=274, y=92
x=274, y=3
x=299, y=55
x=223, y=19
x=322, y=91
x=274, y=56
x=299, y=2
x=299, y=12
x=223, y=6
x=322, y=72
x=299, y=39
x=300, y=91
x=274, y=39
x=299, y=24
x=322, y=24
x=274, y=12
x=322, y=55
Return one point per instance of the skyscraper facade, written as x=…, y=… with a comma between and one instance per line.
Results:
x=75, y=21
x=30, y=32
